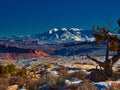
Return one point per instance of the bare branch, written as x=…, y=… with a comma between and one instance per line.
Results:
x=93, y=59
x=115, y=58
x=107, y=52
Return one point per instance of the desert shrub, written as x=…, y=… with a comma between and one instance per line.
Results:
x=10, y=67
x=79, y=75
x=54, y=81
x=17, y=80
x=21, y=72
x=115, y=86
x=86, y=85
x=3, y=87
x=34, y=85
x=72, y=87
x=42, y=72
x=64, y=74
x=3, y=71
x=8, y=70
x=13, y=73
x=51, y=80
x=4, y=81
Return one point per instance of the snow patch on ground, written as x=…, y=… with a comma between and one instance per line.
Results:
x=73, y=81
x=102, y=85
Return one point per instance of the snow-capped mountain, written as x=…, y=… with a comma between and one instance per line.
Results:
x=66, y=35
x=53, y=36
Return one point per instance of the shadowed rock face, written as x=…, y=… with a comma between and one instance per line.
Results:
x=10, y=52
x=10, y=49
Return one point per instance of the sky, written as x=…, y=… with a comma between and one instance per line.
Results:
x=24, y=17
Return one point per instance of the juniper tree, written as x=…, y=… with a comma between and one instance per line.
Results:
x=101, y=34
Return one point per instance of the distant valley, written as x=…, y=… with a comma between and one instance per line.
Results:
x=56, y=42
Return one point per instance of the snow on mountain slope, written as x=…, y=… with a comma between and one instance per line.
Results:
x=54, y=36
x=67, y=35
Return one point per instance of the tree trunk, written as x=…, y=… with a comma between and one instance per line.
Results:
x=106, y=67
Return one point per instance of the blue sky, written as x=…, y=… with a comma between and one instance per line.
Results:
x=23, y=17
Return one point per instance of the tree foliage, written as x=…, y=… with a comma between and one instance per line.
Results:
x=102, y=34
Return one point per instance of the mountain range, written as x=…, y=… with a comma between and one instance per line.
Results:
x=52, y=36
x=65, y=42
x=66, y=35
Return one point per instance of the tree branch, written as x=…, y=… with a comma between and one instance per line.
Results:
x=107, y=52
x=115, y=58
x=93, y=59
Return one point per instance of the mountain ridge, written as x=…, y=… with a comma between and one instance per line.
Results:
x=53, y=36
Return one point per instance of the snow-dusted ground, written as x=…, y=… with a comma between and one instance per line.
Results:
x=69, y=63
x=102, y=85
x=73, y=81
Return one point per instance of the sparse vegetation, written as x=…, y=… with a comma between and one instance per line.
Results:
x=72, y=87
x=17, y=80
x=4, y=83
x=86, y=85
x=64, y=74
x=54, y=82
x=3, y=87
x=115, y=86
x=34, y=85
x=3, y=71
x=10, y=70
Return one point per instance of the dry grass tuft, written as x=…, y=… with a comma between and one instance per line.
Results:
x=86, y=85
x=115, y=86
x=79, y=75
x=3, y=87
